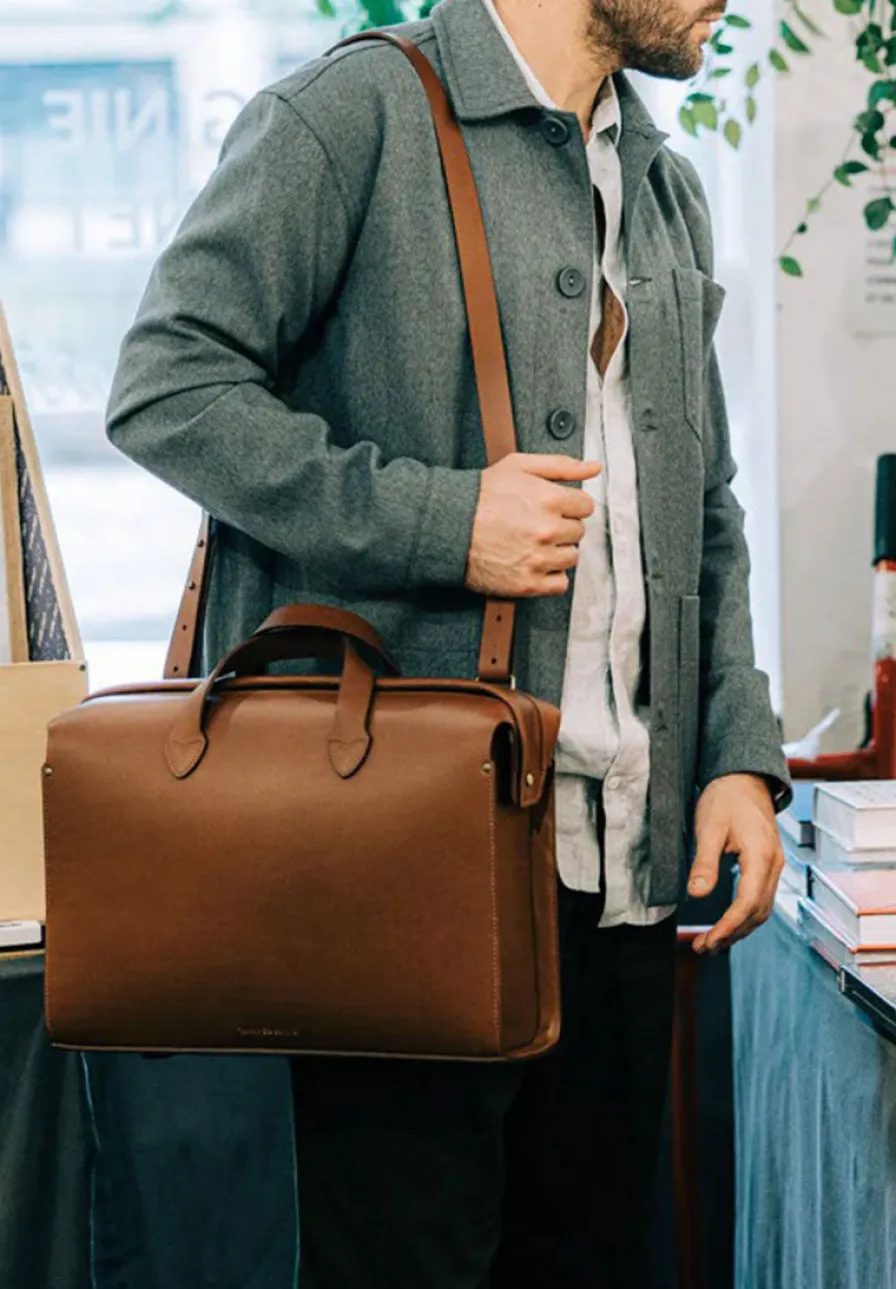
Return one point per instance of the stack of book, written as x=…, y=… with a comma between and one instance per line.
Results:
x=848, y=911
x=798, y=839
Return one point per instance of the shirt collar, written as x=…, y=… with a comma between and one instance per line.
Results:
x=607, y=114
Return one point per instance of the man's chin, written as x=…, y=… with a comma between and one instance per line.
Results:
x=680, y=64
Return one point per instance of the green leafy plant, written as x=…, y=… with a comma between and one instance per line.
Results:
x=871, y=141
x=717, y=103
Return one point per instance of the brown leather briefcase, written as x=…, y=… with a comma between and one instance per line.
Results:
x=352, y=864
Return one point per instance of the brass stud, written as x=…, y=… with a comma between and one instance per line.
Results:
x=48, y=770
x=486, y=767
x=530, y=779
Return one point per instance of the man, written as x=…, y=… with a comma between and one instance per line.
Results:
x=301, y=367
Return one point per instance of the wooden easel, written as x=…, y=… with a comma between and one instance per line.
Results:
x=42, y=668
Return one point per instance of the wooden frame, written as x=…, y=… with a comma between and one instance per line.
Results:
x=42, y=671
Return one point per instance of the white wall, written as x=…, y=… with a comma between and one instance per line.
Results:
x=837, y=404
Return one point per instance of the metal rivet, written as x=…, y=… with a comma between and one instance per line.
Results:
x=48, y=770
x=486, y=767
x=530, y=779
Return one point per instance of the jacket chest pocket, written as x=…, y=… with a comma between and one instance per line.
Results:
x=699, y=300
x=689, y=691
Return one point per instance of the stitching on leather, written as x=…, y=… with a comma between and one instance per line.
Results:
x=496, y=952
x=344, y=755
x=182, y=769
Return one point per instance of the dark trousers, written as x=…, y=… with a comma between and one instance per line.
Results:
x=418, y=1175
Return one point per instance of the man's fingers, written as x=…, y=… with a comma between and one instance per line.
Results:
x=711, y=840
x=559, y=468
x=749, y=910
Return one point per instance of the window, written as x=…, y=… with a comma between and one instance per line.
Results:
x=112, y=113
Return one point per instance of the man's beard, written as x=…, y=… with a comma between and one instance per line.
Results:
x=647, y=37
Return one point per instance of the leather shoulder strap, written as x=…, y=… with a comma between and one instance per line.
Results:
x=489, y=364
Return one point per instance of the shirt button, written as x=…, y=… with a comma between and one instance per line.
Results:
x=561, y=423
x=555, y=131
x=612, y=783
x=571, y=283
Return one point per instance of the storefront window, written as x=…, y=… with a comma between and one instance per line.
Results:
x=112, y=113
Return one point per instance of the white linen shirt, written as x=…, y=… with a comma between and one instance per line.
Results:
x=603, y=735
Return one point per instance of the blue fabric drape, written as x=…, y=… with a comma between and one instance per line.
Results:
x=815, y=1112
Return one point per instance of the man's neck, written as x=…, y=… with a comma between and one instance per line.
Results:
x=555, y=41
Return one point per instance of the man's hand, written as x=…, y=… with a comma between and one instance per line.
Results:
x=735, y=815
x=528, y=525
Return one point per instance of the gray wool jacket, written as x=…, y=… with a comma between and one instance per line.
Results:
x=300, y=366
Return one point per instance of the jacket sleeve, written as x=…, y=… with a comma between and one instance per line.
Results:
x=739, y=731
x=250, y=273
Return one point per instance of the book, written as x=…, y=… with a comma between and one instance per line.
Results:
x=861, y=815
x=830, y=853
x=831, y=942
x=21, y=935
x=796, y=822
x=861, y=902
x=873, y=988
x=795, y=875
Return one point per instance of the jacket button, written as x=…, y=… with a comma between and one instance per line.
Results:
x=561, y=423
x=571, y=283
x=555, y=131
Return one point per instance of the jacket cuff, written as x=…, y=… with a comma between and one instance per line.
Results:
x=740, y=734
x=446, y=526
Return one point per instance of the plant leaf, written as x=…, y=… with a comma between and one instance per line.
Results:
x=700, y=97
x=751, y=109
x=790, y=266
x=813, y=205
x=325, y=8
x=869, y=122
x=706, y=114
x=882, y=92
x=792, y=40
x=686, y=120
x=735, y=20
x=802, y=228
x=848, y=6
x=808, y=23
x=752, y=77
x=878, y=212
x=842, y=176
x=871, y=146
x=718, y=72
x=732, y=132
x=778, y=61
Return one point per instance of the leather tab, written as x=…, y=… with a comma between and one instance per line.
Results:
x=349, y=741
x=497, y=641
x=347, y=758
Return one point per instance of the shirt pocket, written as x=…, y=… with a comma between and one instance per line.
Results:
x=700, y=301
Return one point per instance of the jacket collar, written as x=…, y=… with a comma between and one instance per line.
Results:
x=483, y=77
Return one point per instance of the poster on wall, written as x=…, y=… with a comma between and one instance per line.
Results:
x=872, y=310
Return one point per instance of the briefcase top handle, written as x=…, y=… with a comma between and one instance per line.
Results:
x=489, y=365
x=295, y=631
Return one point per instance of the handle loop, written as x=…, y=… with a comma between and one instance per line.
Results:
x=296, y=631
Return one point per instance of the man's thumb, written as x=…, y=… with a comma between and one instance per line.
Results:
x=705, y=871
